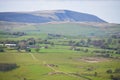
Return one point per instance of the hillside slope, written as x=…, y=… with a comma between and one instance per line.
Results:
x=66, y=28
x=48, y=16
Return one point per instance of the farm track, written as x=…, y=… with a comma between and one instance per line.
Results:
x=58, y=71
x=33, y=57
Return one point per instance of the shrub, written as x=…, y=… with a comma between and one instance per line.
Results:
x=117, y=70
x=7, y=67
x=114, y=77
x=109, y=71
x=1, y=49
x=95, y=74
x=90, y=69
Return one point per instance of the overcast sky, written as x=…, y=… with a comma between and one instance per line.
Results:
x=108, y=10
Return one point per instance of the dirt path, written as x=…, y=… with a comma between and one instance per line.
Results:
x=44, y=62
x=33, y=57
x=55, y=70
x=58, y=71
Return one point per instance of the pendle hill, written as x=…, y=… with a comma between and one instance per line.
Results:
x=48, y=16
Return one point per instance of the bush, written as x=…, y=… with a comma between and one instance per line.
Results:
x=106, y=55
x=7, y=67
x=95, y=74
x=117, y=70
x=90, y=69
x=118, y=51
x=114, y=77
x=86, y=50
x=1, y=49
x=109, y=71
x=28, y=50
x=37, y=49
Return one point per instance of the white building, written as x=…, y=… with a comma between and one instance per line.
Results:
x=9, y=45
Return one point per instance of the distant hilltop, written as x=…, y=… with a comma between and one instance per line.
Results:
x=49, y=16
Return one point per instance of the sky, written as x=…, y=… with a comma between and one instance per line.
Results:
x=107, y=10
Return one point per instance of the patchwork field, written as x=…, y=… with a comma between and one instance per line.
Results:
x=64, y=51
x=57, y=66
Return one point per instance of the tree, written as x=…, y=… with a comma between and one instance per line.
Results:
x=86, y=50
x=77, y=49
x=88, y=41
x=95, y=74
x=118, y=51
x=109, y=41
x=24, y=78
x=82, y=42
x=113, y=77
x=22, y=44
x=97, y=43
x=104, y=46
x=28, y=50
x=46, y=47
x=7, y=67
x=77, y=44
x=31, y=41
x=37, y=49
x=1, y=49
x=52, y=44
x=117, y=70
x=72, y=43
x=107, y=55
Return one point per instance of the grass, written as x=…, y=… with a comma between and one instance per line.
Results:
x=67, y=62
x=68, y=29
x=71, y=63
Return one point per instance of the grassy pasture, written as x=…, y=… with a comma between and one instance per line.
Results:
x=69, y=29
x=70, y=63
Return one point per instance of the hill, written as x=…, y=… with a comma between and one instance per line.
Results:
x=63, y=28
x=49, y=16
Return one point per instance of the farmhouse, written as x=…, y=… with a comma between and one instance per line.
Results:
x=9, y=45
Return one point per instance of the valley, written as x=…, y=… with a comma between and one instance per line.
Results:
x=61, y=47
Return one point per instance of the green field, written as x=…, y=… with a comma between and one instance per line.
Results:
x=74, y=29
x=71, y=65
x=75, y=51
x=70, y=29
x=33, y=69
